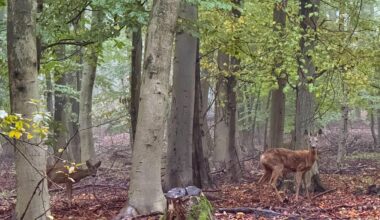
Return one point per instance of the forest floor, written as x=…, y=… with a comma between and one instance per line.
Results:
x=351, y=193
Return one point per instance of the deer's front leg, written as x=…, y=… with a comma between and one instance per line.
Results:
x=298, y=183
x=306, y=186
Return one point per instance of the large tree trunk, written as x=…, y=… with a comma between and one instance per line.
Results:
x=305, y=101
x=277, y=116
x=179, y=171
x=277, y=111
x=32, y=193
x=135, y=81
x=85, y=101
x=201, y=168
x=145, y=191
x=225, y=155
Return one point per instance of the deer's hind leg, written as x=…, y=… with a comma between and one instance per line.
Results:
x=266, y=176
x=277, y=172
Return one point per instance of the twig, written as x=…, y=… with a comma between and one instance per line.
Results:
x=147, y=215
x=257, y=211
x=323, y=193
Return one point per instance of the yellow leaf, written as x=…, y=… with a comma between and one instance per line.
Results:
x=29, y=136
x=60, y=150
x=15, y=134
x=71, y=169
x=19, y=125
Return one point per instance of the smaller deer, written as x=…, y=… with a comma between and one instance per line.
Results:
x=64, y=174
x=276, y=161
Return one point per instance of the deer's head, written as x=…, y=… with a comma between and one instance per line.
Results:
x=93, y=168
x=312, y=139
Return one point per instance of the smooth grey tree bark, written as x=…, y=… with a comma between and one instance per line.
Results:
x=145, y=191
x=31, y=189
x=344, y=134
x=90, y=60
x=179, y=171
x=277, y=111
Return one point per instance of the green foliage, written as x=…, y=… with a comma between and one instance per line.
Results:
x=202, y=210
x=343, y=50
x=16, y=126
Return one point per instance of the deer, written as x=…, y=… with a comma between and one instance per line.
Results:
x=60, y=173
x=278, y=161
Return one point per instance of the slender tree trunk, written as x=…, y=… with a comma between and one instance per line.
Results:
x=378, y=128
x=61, y=114
x=72, y=125
x=135, y=81
x=85, y=105
x=277, y=116
x=277, y=112
x=225, y=154
x=344, y=134
x=207, y=141
x=254, y=124
x=145, y=191
x=266, y=146
x=235, y=169
x=305, y=101
x=201, y=166
x=85, y=101
x=7, y=150
x=31, y=189
x=49, y=94
x=358, y=113
x=373, y=132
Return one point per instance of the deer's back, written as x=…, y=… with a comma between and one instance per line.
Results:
x=291, y=160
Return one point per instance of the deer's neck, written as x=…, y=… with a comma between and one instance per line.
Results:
x=312, y=155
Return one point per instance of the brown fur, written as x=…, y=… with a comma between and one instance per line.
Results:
x=60, y=174
x=279, y=160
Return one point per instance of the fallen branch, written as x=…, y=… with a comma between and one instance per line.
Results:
x=147, y=215
x=90, y=185
x=261, y=212
x=323, y=193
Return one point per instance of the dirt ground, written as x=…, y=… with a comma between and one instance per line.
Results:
x=351, y=192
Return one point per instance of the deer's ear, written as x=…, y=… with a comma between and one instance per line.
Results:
x=88, y=163
x=320, y=131
x=305, y=132
x=97, y=165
